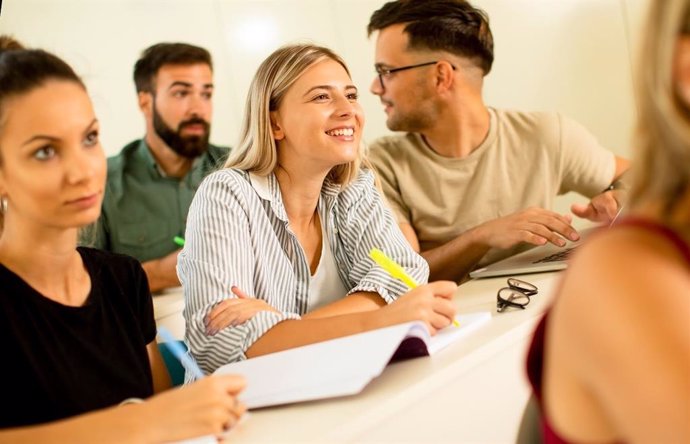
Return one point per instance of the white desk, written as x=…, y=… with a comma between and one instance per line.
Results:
x=473, y=391
x=167, y=310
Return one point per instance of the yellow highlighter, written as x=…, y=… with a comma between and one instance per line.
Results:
x=396, y=271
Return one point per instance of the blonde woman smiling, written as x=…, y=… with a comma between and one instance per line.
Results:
x=277, y=242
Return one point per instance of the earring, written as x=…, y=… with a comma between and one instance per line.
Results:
x=3, y=205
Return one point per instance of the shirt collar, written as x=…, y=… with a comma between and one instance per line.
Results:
x=155, y=169
x=268, y=189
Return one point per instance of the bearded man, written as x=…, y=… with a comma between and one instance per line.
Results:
x=152, y=181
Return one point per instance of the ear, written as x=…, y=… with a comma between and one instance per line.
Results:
x=145, y=100
x=445, y=75
x=278, y=133
x=681, y=69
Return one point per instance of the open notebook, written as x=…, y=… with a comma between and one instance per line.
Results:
x=342, y=366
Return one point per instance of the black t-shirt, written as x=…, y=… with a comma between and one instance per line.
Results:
x=58, y=361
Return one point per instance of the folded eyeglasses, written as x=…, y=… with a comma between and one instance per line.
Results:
x=517, y=294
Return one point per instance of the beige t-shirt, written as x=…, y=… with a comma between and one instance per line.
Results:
x=527, y=159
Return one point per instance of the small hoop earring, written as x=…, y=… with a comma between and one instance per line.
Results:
x=3, y=205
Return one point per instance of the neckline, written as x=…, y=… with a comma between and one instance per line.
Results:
x=40, y=298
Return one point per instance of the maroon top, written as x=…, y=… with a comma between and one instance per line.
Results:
x=535, y=357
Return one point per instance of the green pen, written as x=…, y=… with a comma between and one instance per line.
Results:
x=179, y=241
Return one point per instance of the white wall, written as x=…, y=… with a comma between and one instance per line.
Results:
x=573, y=56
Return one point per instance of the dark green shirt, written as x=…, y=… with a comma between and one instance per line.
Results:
x=143, y=210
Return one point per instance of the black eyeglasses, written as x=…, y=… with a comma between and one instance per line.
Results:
x=516, y=294
x=381, y=71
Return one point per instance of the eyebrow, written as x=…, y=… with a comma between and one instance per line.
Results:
x=53, y=138
x=328, y=87
x=189, y=85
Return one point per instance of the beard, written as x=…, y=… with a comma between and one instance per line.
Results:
x=417, y=119
x=412, y=122
x=189, y=147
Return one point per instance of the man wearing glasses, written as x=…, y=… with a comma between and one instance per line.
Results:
x=469, y=184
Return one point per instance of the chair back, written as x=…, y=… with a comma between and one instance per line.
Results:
x=174, y=366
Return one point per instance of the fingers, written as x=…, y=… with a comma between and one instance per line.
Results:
x=444, y=289
x=239, y=293
x=444, y=313
x=538, y=234
x=606, y=206
x=233, y=312
x=551, y=225
x=234, y=416
x=231, y=384
x=533, y=225
x=602, y=208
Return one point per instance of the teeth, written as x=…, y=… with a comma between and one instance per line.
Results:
x=341, y=132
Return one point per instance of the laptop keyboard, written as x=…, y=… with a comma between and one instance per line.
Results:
x=560, y=256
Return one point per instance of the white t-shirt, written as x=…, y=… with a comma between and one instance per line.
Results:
x=325, y=285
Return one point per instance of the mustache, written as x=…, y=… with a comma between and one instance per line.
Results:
x=194, y=121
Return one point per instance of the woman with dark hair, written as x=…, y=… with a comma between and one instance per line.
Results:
x=77, y=323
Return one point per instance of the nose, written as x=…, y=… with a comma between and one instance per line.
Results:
x=198, y=106
x=344, y=107
x=80, y=167
x=376, y=86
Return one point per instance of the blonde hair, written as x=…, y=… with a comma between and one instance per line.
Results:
x=662, y=142
x=257, y=149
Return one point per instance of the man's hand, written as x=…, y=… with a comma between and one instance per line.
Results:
x=603, y=208
x=534, y=225
x=162, y=273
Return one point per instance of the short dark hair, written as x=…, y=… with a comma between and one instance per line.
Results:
x=446, y=25
x=156, y=56
x=22, y=70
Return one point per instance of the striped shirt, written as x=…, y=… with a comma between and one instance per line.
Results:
x=238, y=234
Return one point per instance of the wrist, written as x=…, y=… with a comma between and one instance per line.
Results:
x=478, y=236
x=141, y=422
x=618, y=183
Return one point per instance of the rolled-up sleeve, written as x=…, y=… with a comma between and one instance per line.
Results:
x=364, y=222
x=219, y=252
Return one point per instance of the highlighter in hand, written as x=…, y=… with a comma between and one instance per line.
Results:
x=395, y=270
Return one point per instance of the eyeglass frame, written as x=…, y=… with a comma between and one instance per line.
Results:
x=521, y=287
x=381, y=71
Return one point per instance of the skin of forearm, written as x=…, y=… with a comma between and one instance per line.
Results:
x=295, y=333
x=113, y=425
x=455, y=259
x=159, y=275
x=354, y=303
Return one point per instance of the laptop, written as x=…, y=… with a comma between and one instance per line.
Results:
x=548, y=257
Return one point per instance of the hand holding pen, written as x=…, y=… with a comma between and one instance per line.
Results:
x=441, y=288
x=207, y=407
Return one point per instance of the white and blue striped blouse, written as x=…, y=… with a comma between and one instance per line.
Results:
x=238, y=234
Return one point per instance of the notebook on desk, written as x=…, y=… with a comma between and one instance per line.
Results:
x=548, y=257
x=342, y=366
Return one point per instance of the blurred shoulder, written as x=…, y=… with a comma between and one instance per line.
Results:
x=626, y=264
x=394, y=145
